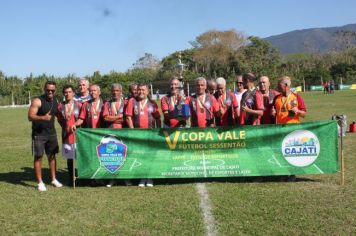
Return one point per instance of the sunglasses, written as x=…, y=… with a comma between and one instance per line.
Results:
x=51, y=90
x=239, y=82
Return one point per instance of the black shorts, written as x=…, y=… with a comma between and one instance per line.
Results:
x=49, y=144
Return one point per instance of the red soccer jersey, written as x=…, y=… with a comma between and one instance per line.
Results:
x=67, y=115
x=268, y=104
x=253, y=100
x=202, y=111
x=113, y=109
x=167, y=105
x=228, y=104
x=143, y=113
x=91, y=113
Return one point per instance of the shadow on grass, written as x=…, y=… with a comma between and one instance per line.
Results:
x=259, y=179
x=266, y=179
x=27, y=175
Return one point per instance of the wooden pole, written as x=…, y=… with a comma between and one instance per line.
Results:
x=74, y=158
x=74, y=178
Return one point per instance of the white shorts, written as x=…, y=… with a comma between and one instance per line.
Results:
x=68, y=151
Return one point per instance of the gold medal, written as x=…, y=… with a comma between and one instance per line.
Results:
x=142, y=106
x=68, y=111
x=96, y=109
x=200, y=103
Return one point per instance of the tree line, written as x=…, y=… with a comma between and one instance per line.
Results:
x=212, y=54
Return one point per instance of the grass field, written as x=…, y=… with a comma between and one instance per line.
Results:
x=313, y=205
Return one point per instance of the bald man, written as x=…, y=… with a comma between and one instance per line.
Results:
x=268, y=97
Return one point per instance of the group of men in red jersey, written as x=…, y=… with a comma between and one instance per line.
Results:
x=209, y=107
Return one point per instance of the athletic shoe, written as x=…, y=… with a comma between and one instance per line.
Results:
x=149, y=183
x=142, y=183
x=128, y=182
x=41, y=187
x=56, y=183
x=111, y=183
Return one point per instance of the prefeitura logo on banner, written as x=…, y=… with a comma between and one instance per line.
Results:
x=111, y=153
x=301, y=148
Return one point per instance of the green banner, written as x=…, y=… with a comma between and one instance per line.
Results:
x=316, y=88
x=306, y=148
x=345, y=86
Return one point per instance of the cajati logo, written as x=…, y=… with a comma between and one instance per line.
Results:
x=301, y=148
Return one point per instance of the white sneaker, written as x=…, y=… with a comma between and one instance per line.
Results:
x=111, y=183
x=56, y=183
x=128, y=182
x=41, y=187
x=142, y=183
x=149, y=183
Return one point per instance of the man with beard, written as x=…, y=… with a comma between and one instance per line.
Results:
x=42, y=112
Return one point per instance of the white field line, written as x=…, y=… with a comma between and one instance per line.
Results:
x=96, y=172
x=133, y=165
x=321, y=172
x=206, y=207
x=279, y=164
x=14, y=106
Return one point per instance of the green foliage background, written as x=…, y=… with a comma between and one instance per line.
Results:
x=213, y=54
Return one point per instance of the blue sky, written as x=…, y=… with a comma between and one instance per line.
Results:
x=82, y=36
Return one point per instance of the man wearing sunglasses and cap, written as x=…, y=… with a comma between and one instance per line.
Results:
x=42, y=112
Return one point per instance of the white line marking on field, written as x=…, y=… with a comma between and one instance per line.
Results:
x=96, y=172
x=321, y=172
x=206, y=207
x=279, y=164
x=133, y=165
